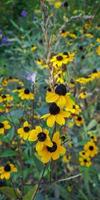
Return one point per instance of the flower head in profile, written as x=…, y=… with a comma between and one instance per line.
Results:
x=55, y=115
x=25, y=94
x=54, y=152
x=7, y=170
x=24, y=131
x=4, y=125
x=41, y=136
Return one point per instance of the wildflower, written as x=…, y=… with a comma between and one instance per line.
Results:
x=53, y=152
x=33, y=48
x=55, y=115
x=91, y=148
x=24, y=13
x=59, y=96
x=98, y=40
x=4, y=126
x=58, y=60
x=79, y=120
x=89, y=35
x=98, y=50
x=64, y=33
x=83, y=154
x=5, y=97
x=83, y=95
x=7, y=170
x=74, y=109
x=25, y=94
x=57, y=4
x=66, y=158
x=85, y=161
x=41, y=136
x=24, y=132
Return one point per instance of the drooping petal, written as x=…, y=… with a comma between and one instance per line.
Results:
x=60, y=119
x=51, y=97
x=51, y=121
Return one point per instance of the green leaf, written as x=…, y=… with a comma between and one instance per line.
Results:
x=92, y=124
x=30, y=194
x=9, y=192
x=7, y=153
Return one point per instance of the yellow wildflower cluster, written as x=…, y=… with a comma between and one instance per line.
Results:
x=89, y=151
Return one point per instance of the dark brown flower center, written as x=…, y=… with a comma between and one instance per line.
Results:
x=26, y=91
x=41, y=136
x=26, y=129
x=19, y=87
x=91, y=148
x=63, y=31
x=59, y=58
x=53, y=148
x=7, y=168
x=3, y=96
x=65, y=4
x=61, y=90
x=54, y=109
x=1, y=125
x=85, y=160
x=79, y=118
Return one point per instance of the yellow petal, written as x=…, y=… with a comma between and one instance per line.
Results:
x=60, y=119
x=51, y=97
x=51, y=120
x=32, y=136
x=61, y=101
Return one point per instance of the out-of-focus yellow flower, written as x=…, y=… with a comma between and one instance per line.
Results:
x=66, y=158
x=98, y=40
x=89, y=35
x=83, y=95
x=98, y=50
x=57, y=4
x=33, y=48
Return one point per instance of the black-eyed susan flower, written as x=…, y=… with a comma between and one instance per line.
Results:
x=74, y=109
x=24, y=131
x=33, y=48
x=59, y=60
x=6, y=98
x=64, y=33
x=4, y=125
x=54, y=152
x=66, y=158
x=25, y=94
x=41, y=136
x=91, y=148
x=98, y=50
x=59, y=96
x=57, y=4
x=85, y=161
x=83, y=95
x=7, y=170
x=83, y=154
x=78, y=120
x=55, y=115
